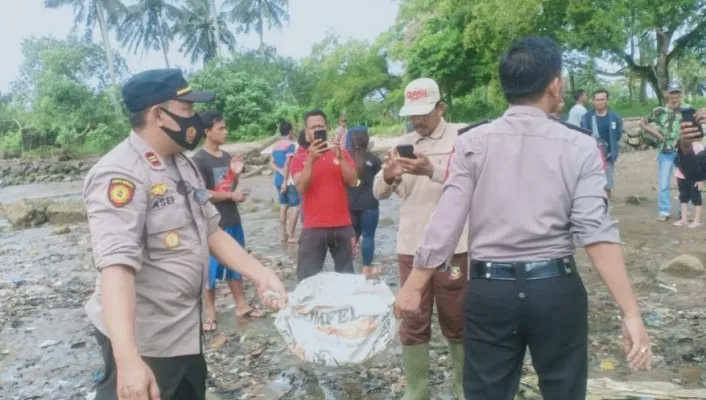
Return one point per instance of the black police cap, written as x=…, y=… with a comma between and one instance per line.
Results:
x=156, y=86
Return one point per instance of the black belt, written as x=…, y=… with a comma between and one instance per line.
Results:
x=509, y=271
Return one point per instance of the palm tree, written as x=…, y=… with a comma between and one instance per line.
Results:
x=147, y=26
x=90, y=12
x=198, y=32
x=253, y=14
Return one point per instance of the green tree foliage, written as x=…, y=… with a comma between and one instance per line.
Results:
x=197, y=31
x=62, y=96
x=254, y=15
x=246, y=101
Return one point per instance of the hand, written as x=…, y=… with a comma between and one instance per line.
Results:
x=371, y=272
x=283, y=188
x=690, y=132
x=136, y=381
x=417, y=166
x=391, y=169
x=237, y=196
x=700, y=186
x=272, y=292
x=636, y=343
x=335, y=146
x=237, y=163
x=317, y=149
x=408, y=303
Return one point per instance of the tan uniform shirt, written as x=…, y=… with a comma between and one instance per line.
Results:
x=137, y=219
x=528, y=185
x=420, y=194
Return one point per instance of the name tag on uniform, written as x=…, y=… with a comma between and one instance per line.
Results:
x=163, y=202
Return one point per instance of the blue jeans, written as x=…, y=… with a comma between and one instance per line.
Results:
x=365, y=222
x=218, y=271
x=289, y=197
x=665, y=162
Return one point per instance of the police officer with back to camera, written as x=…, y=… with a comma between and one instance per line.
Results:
x=525, y=290
x=152, y=228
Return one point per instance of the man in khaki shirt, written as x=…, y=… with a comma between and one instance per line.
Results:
x=152, y=227
x=419, y=183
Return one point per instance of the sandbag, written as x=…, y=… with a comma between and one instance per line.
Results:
x=334, y=319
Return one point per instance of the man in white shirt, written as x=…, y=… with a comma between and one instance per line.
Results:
x=578, y=110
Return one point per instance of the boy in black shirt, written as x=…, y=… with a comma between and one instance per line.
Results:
x=213, y=163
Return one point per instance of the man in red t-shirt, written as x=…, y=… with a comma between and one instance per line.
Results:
x=320, y=175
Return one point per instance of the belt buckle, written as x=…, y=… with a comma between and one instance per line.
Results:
x=567, y=265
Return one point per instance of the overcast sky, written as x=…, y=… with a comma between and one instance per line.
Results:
x=309, y=22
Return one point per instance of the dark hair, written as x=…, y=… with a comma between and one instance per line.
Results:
x=301, y=139
x=578, y=94
x=601, y=90
x=210, y=118
x=138, y=119
x=285, y=128
x=315, y=113
x=359, y=146
x=528, y=67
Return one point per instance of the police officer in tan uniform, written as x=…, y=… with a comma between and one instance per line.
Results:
x=528, y=185
x=152, y=228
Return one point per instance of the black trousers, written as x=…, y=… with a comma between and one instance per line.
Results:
x=315, y=242
x=178, y=378
x=504, y=317
x=688, y=192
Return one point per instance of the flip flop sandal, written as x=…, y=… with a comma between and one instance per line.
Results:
x=211, y=324
x=250, y=312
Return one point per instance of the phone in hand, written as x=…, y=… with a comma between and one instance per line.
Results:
x=321, y=135
x=406, y=151
x=688, y=115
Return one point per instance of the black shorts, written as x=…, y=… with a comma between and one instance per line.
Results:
x=178, y=378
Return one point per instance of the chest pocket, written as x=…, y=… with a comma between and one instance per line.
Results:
x=167, y=232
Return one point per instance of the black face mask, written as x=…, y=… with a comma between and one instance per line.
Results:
x=191, y=130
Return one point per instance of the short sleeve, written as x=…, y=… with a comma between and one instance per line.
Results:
x=297, y=163
x=213, y=217
x=589, y=218
x=116, y=204
x=291, y=149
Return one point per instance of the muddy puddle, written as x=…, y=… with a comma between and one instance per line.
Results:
x=48, y=350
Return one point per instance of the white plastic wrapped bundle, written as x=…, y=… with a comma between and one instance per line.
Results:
x=335, y=319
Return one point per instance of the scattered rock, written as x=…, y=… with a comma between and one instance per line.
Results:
x=61, y=230
x=636, y=200
x=684, y=266
x=26, y=213
x=66, y=212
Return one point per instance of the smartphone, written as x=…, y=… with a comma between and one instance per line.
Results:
x=406, y=151
x=687, y=115
x=320, y=135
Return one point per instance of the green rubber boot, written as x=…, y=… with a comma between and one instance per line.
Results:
x=415, y=360
x=456, y=350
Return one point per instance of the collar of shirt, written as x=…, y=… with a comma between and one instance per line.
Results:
x=146, y=151
x=436, y=135
x=525, y=110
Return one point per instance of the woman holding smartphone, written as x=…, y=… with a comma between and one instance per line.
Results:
x=364, y=207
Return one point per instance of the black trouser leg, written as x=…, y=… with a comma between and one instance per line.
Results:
x=558, y=336
x=340, y=244
x=178, y=378
x=493, y=340
x=312, y=252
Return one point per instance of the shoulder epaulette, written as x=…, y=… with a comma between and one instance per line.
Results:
x=473, y=125
x=575, y=128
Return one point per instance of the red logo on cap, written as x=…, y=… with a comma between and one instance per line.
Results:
x=416, y=94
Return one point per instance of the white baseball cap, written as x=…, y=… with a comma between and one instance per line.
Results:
x=420, y=97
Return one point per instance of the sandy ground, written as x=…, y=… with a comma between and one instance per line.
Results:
x=47, y=350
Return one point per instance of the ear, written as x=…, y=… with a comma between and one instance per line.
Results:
x=155, y=113
x=440, y=108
